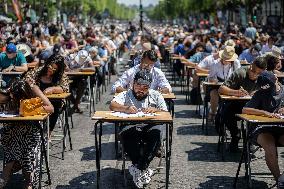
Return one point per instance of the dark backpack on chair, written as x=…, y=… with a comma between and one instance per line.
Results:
x=195, y=97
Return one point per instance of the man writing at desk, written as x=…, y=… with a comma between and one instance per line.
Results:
x=147, y=62
x=141, y=142
x=12, y=60
x=241, y=83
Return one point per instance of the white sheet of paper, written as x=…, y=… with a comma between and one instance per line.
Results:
x=7, y=115
x=138, y=114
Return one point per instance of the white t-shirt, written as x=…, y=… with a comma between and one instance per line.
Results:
x=154, y=99
x=207, y=62
x=221, y=71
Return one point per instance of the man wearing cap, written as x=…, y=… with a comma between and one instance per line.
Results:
x=141, y=142
x=242, y=82
x=219, y=72
x=147, y=62
x=12, y=60
x=249, y=55
x=268, y=101
x=81, y=62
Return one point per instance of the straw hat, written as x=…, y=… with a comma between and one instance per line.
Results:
x=230, y=42
x=228, y=54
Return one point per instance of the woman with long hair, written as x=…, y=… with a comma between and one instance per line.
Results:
x=21, y=140
x=51, y=79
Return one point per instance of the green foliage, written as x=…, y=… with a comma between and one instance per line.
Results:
x=85, y=8
x=169, y=9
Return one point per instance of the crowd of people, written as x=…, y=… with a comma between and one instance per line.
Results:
x=43, y=53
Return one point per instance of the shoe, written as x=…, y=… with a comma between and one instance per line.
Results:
x=78, y=110
x=146, y=176
x=136, y=174
x=234, y=144
x=280, y=182
x=132, y=169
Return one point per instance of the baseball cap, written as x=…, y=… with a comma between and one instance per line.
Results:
x=11, y=48
x=266, y=80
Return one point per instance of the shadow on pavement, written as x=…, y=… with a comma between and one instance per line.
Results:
x=227, y=182
x=89, y=153
x=196, y=129
x=208, y=152
x=186, y=114
x=88, y=180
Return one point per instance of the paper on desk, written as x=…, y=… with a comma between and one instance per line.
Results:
x=281, y=116
x=7, y=115
x=247, y=96
x=138, y=114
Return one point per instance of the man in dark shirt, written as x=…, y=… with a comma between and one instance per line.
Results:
x=241, y=83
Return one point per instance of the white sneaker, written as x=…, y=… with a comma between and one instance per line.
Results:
x=146, y=176
x=136, y=174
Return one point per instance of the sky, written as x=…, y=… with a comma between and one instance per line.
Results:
x=136, y=2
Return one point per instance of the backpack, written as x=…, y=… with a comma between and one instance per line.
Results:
x=195, y=96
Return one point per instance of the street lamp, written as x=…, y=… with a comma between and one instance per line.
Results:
x=141, y=16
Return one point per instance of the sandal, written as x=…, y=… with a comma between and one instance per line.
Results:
x=78, y=110
x=211, y=117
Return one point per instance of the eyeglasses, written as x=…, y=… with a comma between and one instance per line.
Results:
x=52, y=68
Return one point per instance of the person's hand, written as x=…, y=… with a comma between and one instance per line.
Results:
x=131, y=110
x=9, y=69
x=150, y=110
x=241, y=92
x=48, y=91
x=272, y=115
x=281, y=111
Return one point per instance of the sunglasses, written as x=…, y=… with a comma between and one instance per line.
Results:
x=53, y=69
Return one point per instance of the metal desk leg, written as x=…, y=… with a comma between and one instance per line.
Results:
x=67, y=127
x=172, y=108
x=90, y=95
x=44, y=151
x=100, y=139
x=168, y=152
x=47, y=151
x=97, y=154
x=116, y=139
x=244, y=151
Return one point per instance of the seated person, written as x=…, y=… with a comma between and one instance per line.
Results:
x=242, y=82
x=273, y=60
x=145, y=47
x=12, y=60
x=147, y=62
x=21, y=140
x=140, y=138
x=81, y=62
x=51, y=79
x=249, y=55
x=268, y=101
x=219, y=72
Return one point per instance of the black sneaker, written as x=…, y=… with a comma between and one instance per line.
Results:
x=280, y=183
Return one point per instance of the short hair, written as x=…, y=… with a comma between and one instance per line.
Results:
x=271, y=62
x=143, y=77
x=260, y=62
x=151, y=54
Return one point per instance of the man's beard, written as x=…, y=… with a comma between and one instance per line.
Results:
x=139, y=98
